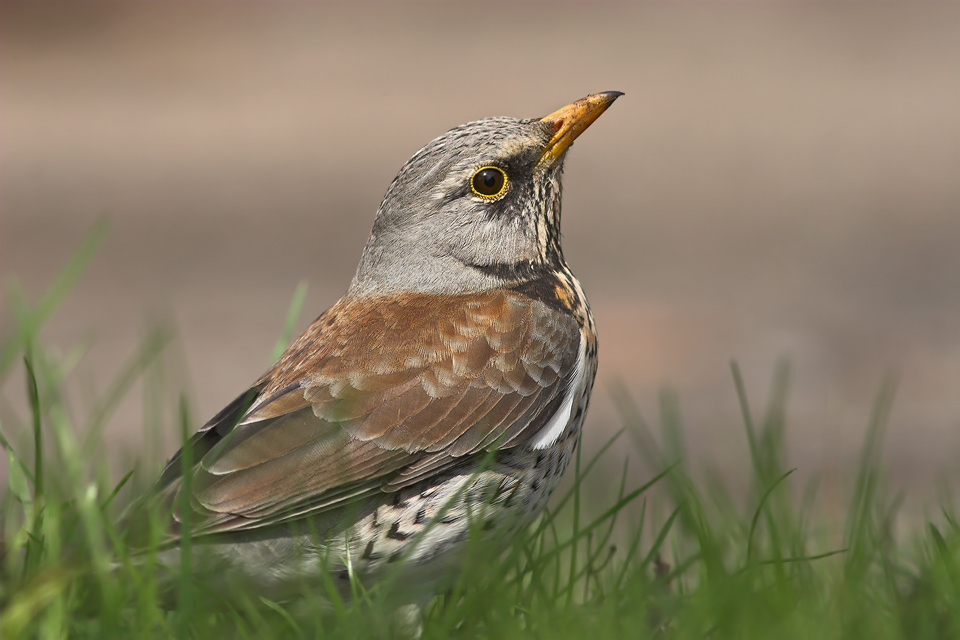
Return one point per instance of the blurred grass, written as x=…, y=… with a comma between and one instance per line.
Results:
x=676, y=557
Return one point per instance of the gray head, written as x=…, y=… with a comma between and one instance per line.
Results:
x=476, y=208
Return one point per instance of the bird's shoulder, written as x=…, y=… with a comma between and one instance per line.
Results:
x=443, y=337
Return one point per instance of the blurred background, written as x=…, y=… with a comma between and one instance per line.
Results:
x=780, y=182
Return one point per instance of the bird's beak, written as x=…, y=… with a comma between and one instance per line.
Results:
x=570, y=121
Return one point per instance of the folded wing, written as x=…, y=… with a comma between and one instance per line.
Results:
x=376, y=395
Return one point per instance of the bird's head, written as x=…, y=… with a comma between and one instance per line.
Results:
x=478, y=207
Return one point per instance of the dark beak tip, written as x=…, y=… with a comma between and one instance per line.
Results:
x=607, y=97
x=604, y=99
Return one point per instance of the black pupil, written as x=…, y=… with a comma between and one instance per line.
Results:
x=488, y=182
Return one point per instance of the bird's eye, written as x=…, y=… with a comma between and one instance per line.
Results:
x=489, y=182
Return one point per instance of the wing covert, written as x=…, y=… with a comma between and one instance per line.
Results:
x=378, y=394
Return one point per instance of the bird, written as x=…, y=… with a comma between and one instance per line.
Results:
x=443, y=393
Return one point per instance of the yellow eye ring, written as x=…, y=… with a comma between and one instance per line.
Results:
x=489, y=182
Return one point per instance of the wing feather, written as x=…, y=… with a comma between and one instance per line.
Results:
x=379, y=394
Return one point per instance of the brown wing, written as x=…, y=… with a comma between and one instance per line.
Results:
x=376, y=395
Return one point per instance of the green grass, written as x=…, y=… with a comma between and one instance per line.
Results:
x=677, y=557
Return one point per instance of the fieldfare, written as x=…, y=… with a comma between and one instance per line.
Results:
x=446, y=388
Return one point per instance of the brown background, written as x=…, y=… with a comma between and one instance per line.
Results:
x=780, y=181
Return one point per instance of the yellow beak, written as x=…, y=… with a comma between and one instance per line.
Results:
x=572, y=120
